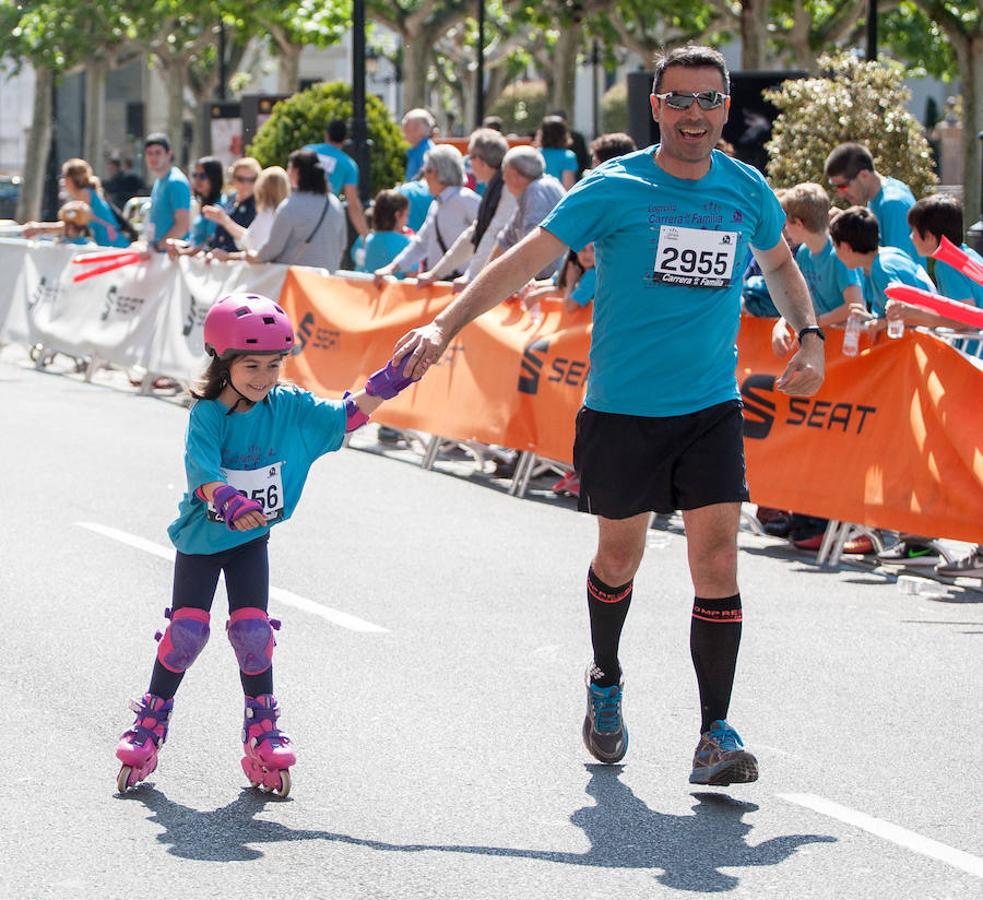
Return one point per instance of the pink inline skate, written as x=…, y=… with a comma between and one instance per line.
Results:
x=137, y=748
x=268, y=753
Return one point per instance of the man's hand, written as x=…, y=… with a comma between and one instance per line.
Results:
x=804, y=374
x=782, y=339
x=422, y=347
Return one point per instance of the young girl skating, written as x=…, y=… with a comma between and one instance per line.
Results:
x=249, y=445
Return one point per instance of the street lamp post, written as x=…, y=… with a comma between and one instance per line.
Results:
x=871, y=30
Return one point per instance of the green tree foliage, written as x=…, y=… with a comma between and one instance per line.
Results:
x=614, y=108
x=302, y=119
x=855, y=101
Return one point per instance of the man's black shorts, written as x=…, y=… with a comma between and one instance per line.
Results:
x=634, y=464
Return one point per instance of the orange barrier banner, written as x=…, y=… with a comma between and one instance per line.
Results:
x=893, y=439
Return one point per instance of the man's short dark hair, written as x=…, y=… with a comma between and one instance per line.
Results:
x=857, y=228
x=848, y=160
x=337, y=131
x=940, y=215
x=157, y=138
x=690, y=57
x=608, y=146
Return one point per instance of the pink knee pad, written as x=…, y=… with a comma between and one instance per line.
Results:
x=250, y=632
x=184, y=639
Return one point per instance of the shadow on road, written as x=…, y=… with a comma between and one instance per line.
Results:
x=688, y=851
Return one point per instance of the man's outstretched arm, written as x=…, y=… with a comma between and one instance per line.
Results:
x=497, y=281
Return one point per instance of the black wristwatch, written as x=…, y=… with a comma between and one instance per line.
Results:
x=812, y=329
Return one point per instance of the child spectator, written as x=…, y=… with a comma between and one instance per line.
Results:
x=856, y=236
x=553, y=139
x=75, y=216
x=387, y=239
x=833, y=287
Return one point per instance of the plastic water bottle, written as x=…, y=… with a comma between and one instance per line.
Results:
x=851, y=337
x=895, y=328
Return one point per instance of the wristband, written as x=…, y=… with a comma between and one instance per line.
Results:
x=812, y=329
x=355, y=417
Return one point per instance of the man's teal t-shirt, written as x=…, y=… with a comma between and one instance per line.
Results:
x=826, y=276
x=105, y=226
x=891, y=206
x=892, y=264
x=272, y=444
x=558, y=161
x=420, y=199
x=670, y=256
x=340, y=168
x=169, y=194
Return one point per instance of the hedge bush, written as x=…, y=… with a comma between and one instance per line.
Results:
x=614, y=108
x=857, y=101
x=302, y=119
x=521, y=107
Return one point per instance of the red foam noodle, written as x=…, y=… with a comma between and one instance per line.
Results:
x=108, y=267
x=100, y=256
x=951, y=309
x=952, y=255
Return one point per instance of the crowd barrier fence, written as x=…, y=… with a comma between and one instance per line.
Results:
x=892, y=440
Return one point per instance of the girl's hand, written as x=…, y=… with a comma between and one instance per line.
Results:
x=250, y=520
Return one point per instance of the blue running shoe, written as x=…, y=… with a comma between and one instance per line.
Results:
x=721, y=759
x=605, y=734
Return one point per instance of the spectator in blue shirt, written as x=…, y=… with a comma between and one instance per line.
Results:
x=170, y=198
x=418, y=126
x=387, y=239
x=554, y=142
x=851, y=173
x=342, y=171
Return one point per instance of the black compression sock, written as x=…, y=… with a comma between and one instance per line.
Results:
x=714, y=639
x=608, y=607
x=163, y=682
x=254, y=685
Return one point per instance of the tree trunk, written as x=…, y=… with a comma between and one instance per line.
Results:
x=754, y=34
x=971, y=75
x=94, y=146
x=563, y=91
x=38, y=147
x=416, y=62
x=288, y=68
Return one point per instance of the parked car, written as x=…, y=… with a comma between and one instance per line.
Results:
x=9, y=195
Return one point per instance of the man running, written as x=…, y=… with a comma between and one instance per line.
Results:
x=661, y=425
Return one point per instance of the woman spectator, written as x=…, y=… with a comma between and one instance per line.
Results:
x=554, y=142
x=272, y=188
x=207, y=181
x=309, y=228
x=234, y=216
x=82, y=185
x=486, y=150
x=455, y=210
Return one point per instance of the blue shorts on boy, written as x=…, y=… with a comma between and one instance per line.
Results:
x=266, y=450
x=891, y=264
x=670, y=256
x=826, y=276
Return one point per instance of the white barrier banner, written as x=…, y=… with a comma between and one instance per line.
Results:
x=14, y=293
x=179, y=349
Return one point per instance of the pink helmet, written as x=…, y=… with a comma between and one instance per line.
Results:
x=247, y=323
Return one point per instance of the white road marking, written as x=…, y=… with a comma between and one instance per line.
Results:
x=288, y=598
x=958, y=859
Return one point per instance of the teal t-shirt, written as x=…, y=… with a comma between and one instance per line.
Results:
x=956, y=286
x=826, y=276
x=670, y=256
x=420, y=199
x=202, y=229
x=583, y=293
x=892, y=264
x=269, y=448
x=170, y=193
x=340, y=168
x=380, y=249
x=105, y=225
x=891, y=207
x=559, y=161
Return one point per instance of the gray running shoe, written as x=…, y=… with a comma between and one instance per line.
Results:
x=968, y=567
x=605, y=734
x=721, y=759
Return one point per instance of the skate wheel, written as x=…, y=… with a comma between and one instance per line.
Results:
x=284, y=782
x=123, y=779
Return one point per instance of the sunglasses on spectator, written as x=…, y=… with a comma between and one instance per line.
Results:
x=684, y=99
x=244, y=179
x=198, y=175
x=842, y=185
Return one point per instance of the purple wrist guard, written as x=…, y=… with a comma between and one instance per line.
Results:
x=388, y=381
x=232, y=506
x=355, y=417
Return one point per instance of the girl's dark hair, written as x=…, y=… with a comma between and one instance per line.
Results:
x=571, y=260
x=553, y=132
x=310, y=172
x=213, y=380
x=215, y=173
x=388, y=205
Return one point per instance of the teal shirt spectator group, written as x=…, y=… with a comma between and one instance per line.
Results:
x=169, y=194
x=340, y=168
x=826, y=276
x=662, y=346
x=291, y=426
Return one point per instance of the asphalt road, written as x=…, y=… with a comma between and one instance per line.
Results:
x=439, y=746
